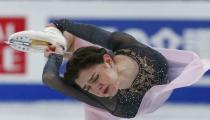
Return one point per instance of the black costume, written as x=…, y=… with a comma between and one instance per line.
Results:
x=152, y=68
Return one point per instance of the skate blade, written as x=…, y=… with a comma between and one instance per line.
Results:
x=26, y=44
x=35, y=42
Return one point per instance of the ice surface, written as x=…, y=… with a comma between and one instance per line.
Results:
x=63, y=110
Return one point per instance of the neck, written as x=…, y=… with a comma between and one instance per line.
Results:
x=127, y=70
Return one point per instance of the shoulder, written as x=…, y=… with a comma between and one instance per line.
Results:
x=120, y=39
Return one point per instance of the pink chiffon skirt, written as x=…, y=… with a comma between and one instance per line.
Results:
x=185, y=69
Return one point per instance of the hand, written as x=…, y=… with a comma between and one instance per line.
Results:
x=53, y=49
x=70, y=38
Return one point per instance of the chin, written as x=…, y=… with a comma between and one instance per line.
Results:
x=112, y=92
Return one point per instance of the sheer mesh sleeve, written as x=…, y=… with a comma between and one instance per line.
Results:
x=51, y=78
x=95, y=35
x=50, y=75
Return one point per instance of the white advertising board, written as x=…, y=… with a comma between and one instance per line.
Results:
x=18, y=67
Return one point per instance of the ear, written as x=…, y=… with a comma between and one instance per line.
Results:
x=108, y=59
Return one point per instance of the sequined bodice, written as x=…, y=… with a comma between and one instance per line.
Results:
x=152, y=72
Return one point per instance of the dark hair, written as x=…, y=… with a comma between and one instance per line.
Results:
x=82, y=58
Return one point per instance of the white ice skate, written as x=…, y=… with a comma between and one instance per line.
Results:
x=36, y=41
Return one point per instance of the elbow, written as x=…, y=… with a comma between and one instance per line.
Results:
x=47, y=78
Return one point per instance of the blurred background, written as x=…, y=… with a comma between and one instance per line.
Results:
x=176, y=24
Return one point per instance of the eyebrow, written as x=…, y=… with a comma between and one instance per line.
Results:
x=94, y=79
x=89, y=80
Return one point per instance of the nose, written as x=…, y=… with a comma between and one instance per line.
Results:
x=97, y=87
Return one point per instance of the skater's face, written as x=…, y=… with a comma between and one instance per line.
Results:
x=101, y=79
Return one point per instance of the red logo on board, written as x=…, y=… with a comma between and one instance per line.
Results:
x=11, y=61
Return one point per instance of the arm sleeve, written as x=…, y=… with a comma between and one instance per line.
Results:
x=50, y=75
x=95, y=35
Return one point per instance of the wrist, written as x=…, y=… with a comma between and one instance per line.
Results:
x=57, y=57
x=70, y=41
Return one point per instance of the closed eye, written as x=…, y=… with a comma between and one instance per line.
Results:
x=94, y=79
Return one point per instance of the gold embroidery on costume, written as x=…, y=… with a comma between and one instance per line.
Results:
x=152, y=71
x=145, y=76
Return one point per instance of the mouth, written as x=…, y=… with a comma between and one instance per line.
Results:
x=106, y=90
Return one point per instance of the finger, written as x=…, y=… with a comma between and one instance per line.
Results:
x=52, y=47
x=47, y=49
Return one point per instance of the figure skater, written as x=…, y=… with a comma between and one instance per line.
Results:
x=121, y=77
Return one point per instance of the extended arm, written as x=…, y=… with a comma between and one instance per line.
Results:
x=50, y=74
x=96, y=35
x=51, y=78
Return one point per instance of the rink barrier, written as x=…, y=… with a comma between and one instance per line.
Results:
x=37, y=92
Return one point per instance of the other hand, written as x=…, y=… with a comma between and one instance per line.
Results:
x=53, y=49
